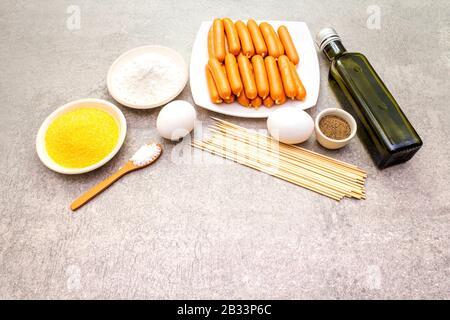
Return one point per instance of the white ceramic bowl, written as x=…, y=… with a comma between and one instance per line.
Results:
x=171, y=54
x=332, y=143
x=85, y=103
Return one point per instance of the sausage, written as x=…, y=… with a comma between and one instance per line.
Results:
x=256, y=103
x=290, y=88
x=281, y=101
x=226, y=46
x=243, y=100
x=248, y=79
x=211, y=43
x=277, y=39
x=262, y=83
x=288, y=44
x=229, y=100
x=219, y=39
x=220, y=78
x=213, y=93
x=257, y=37
x=269, y=38
x=234, y=45
x=275, y=84
x=232, y=70
x=246, y=40
x=268, y=102
x=301, y=91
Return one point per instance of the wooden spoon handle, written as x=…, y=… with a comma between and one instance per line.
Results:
x=87, y=196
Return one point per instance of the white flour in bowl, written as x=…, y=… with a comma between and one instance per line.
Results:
x=146, y=79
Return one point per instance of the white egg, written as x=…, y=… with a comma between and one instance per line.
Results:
x=290, y=125
x=176, y=120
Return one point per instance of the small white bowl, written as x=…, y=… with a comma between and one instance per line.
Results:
x=332, y=143
x=83, y=103
x=169, y=53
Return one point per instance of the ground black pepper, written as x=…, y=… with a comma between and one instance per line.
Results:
x=334, y=127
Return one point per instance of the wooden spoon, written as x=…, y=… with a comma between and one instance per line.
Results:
x=145, y=156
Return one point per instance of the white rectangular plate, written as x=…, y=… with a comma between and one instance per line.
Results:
x=308, y=69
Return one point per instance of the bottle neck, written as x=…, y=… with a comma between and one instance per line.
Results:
x=334, y=50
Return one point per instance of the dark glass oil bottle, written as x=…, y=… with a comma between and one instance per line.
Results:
x=383, y=127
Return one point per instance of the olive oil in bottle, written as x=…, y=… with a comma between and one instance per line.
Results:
x=383, y=127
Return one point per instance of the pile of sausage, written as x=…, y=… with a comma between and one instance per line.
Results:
x=264, y=71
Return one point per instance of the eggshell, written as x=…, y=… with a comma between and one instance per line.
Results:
x=176, y=120
x=290, y=125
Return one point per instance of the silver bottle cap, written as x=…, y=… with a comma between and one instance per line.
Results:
x=325, y=36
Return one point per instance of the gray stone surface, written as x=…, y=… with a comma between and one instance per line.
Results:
x=209, y=228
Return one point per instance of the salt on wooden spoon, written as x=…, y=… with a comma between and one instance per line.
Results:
x=145, y=156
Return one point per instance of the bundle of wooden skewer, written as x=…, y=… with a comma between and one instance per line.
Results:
x=327, y=176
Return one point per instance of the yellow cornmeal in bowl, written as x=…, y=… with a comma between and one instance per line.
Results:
x=81, y=137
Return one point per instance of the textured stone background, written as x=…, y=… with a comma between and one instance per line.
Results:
x=208, y=228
